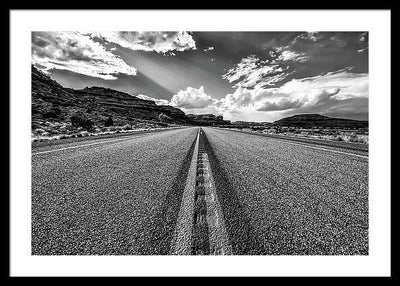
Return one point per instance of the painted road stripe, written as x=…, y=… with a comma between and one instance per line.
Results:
x=200, y=229
x=182, y=240
x=325, y=149
x=83, y=145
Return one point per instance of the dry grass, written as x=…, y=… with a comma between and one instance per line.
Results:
x=48, y=130
x=355, y=136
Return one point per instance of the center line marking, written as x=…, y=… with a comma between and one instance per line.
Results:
x=200, y=228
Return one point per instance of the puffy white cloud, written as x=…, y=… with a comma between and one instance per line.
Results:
x=160, y=42
x=192, y=98
x=332, y=94
x=329, y=94
x=156, y=100
x=77, y=53
x=208, y=49
x=296, y=100
x=350, y=84
x=318, y=94
x=280, y=104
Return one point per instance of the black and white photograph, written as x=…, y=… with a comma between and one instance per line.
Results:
x=186, y=142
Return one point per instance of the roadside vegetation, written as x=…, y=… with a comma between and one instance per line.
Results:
x=354, y=135
x=80, y=125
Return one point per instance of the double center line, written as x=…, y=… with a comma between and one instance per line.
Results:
x=200, y=228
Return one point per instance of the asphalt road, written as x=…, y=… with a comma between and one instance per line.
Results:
x=284, y=198
x=109, y=196
x=122, y=195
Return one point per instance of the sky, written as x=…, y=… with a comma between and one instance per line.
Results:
x=244, y=76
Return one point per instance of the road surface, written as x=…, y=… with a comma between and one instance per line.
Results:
x=124, y=195
x=292, y=198
x=108, y=196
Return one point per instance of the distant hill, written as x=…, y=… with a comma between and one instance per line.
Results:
x=51, y=102
x=317, y=120
x=208, y=119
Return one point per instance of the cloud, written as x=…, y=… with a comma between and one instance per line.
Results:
x=298, y=100
x=208, y=49
x=281, y=104
x=292, y=56
x=77, y=53
x=320, y=94
x=192, y=98
x=160, y=42
x=242, y=69
x=350, y=84
x=308, y=36
x=156, y=100
x=253, y=73
x=336, y=93
x=363, y=37
x=329, y=44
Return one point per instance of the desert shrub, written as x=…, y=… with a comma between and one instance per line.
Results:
x=127, y=127
x=359, y=139
x=162, y=124
x=109, y=122
x=76, y=120
x=87, y=124
x=53, y=112
x=80, y=121
x=39, y=130
x=50, y=114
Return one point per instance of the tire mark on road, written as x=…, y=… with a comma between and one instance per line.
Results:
x=163, y=227
x=182, y=241
x=242, y=237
